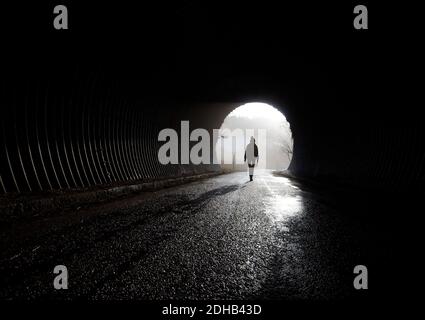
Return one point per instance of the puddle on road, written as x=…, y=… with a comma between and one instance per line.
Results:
x=283, y=203
x=281, y=208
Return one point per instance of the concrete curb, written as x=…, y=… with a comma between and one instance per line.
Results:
x=24, y=207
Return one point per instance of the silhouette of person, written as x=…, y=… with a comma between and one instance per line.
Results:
x=251, y=154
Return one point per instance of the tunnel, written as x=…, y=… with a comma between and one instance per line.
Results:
x=341, y=120
x=82, y=111
x=71, y=133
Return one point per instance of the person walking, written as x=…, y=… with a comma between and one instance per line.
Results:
x=251, y=155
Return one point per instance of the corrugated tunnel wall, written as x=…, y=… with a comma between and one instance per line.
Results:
x=55, y=138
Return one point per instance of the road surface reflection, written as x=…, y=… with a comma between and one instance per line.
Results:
x=284, y=200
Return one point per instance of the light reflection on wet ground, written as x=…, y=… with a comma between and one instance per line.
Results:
x=281, y=204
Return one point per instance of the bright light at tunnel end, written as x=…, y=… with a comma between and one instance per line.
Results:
x=258, y=110
x=265, y=123
x=254, y=118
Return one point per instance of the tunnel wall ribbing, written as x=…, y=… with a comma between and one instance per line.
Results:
x=53, y=141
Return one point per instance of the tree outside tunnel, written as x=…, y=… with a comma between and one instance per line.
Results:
x=267, y=125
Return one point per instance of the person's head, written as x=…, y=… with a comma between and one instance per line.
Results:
x=252, y=140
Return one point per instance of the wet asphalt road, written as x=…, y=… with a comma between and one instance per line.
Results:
x=220, y=238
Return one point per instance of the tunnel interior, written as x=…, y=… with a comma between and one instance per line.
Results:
x=340, y=118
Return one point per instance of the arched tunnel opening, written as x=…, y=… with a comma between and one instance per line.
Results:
x=266, y=125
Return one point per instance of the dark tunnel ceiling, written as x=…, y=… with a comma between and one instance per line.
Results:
x=206, y=52
x=301, y=55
